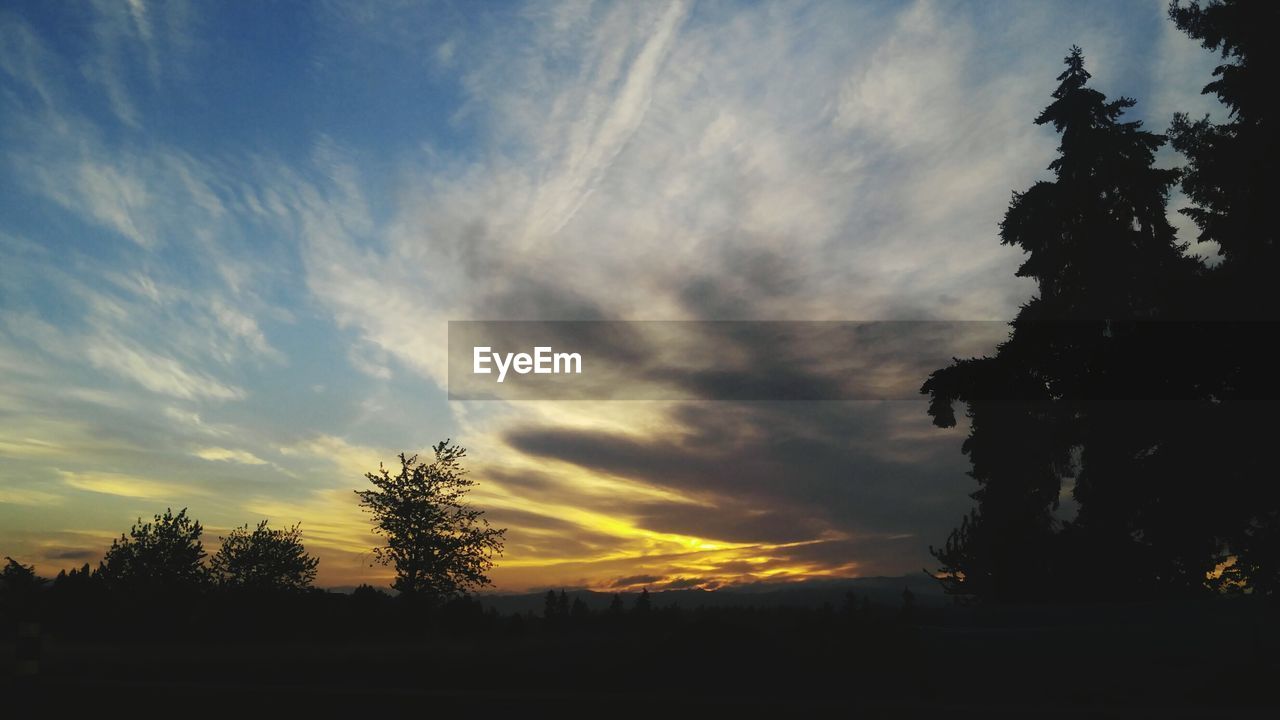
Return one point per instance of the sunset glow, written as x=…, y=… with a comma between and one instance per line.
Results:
x=229, y=263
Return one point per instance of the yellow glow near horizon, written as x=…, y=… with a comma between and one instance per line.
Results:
x=568, y=526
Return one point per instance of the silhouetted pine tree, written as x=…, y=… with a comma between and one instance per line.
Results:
x=1232, y=180
x=850, y=608
x=77, y=582
x=643, y=604
x=580, y=612
x=1045, y=407
x=1231, y=177
x=907, y=612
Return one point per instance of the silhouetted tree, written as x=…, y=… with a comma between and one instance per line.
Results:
x=18, y=586
x=1104, y=258
x=163, y=555
x=367, y=596
x=74, y=579
x=77, y=598
x=440, y=546
x=77, y=588
x=850, y=607
x=643, y=605
x=556, y=608
x=579, y=612
x=1231, y=179
x=615, y=605
x=19, y=578
x=264, y=560
x=907, y=612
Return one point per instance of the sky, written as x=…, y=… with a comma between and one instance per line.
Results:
x=233, y=234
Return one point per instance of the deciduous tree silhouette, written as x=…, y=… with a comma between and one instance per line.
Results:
x=264, y=560
x=439, y=546
x=161, y=556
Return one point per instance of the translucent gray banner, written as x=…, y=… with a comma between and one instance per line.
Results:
x=706, y=360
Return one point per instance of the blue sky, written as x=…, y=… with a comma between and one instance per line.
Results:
x=232, y=234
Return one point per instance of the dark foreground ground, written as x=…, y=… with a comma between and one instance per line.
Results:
x=1214, y=658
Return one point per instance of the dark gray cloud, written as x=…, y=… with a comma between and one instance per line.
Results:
x=636, y=580
x=780, y=473
x=745, y=275
x=727, y=520
x=74, y=554
x=682, y=583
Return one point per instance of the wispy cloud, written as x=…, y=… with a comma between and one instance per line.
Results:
x=27, y=496
x=218, y=454
x=157, y=373
x=126, y=485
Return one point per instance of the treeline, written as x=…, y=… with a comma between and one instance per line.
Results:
x=304, y=644
x=159, y=574
x=303, y=641
x=157, y=580
x=166, y=557
x=1140, y=380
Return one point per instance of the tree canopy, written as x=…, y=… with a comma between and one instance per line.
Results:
x=163, y=555
x=1232, y=182
x=1079, y=391
x=264, y=560
x=1130, y=377
x=440, y=546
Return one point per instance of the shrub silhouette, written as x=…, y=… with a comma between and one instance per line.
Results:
x=160, y=556
x=263, y=560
